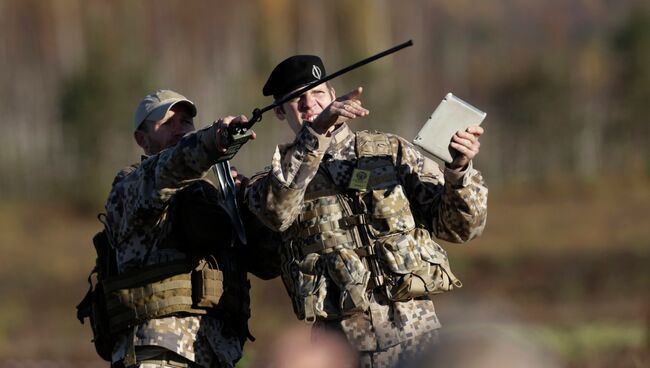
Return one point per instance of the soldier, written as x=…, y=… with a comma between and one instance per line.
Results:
x=181, y=294
x=356, y=211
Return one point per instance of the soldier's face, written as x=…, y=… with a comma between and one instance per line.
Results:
x=167, y=131
x=306, y=107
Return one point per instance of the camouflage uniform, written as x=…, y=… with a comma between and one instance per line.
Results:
x=140, y=229
x=451, y=204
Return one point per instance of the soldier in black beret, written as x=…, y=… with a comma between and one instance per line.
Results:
x=358, y=212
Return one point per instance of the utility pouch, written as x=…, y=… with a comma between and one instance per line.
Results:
x=207, y=284
x=415, y=266
x=436, y=274
x=312, y=289
x=398, y=253
x=351, y=277
x=391, y=212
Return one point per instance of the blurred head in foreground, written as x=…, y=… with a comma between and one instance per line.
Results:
x=485, y=346
x=296, y=349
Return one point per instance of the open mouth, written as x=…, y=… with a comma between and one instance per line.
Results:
x=309, y=117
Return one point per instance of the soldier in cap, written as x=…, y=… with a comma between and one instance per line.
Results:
x=358, y=213
x=180, y=294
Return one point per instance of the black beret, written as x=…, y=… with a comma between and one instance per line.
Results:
x=292, y=73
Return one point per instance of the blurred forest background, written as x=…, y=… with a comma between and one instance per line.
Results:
x=566, y=153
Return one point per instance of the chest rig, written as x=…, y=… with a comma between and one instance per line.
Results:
x=351, y=240
x=198, y=284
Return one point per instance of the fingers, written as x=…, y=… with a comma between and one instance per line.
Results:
x=467, y=143
x=222, y=129
x=344, y=108
x=352, y=94
x=349, y=106
x=476, y=130
x=241, y=119
x=350, y=109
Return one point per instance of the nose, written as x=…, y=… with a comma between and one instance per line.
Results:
x=179, y=127
x=306, y=101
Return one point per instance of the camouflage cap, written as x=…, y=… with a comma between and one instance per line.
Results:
x=155, y=106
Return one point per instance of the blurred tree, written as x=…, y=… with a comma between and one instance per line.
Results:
x=532, y=111
x=631, y=44
x=92, y=103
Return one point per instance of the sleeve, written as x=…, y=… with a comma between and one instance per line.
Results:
x=276, y=196
x=139, y=198
x=452, y=203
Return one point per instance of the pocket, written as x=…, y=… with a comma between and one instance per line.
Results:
x=351, y=277
x=436, y=275
x=311, y=288
x=415, y=266
x=391, y=212
x=399, y=254
x=207, y=285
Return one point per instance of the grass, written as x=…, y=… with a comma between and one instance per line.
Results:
x=582, y=340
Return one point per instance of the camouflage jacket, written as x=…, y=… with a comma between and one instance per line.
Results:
x=140, y=230
x=453, y=203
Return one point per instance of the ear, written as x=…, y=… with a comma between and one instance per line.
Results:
x=332, y=93
x=142, y=140
x=279, y=112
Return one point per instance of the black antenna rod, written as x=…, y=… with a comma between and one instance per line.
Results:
x=237, y=135
x=257, y=113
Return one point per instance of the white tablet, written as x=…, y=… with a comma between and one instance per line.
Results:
x=452, y=115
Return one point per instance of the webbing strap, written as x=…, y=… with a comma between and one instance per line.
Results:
x=116, y=299
x=153, y=309
x=323, y=245
x=310, y=309
x=320, y=211
x=145, y=275
x=343, y=223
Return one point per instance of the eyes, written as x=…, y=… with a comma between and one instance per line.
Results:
x=185, y=121
x=314, y=93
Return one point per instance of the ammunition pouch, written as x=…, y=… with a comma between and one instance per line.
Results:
x=161, y=290
x=414, y=266
x=115, y=303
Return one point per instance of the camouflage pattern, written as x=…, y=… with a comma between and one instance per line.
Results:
x=452, y=205
x=139, y=229
x=453, y=202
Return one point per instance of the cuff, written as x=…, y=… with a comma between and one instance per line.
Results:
x=312, y=140
x=208, y=138
x=457, y=177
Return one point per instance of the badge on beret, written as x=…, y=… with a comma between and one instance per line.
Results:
x=359, y=180
x=315, y=71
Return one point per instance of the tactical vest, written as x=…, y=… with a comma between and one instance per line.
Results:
x=193, y=286
x=347, y=242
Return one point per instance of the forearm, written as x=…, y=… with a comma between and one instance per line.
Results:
x=462, y=213
x=187, y=161
x=451, y=203
x=139, y=198
x=276, y=197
